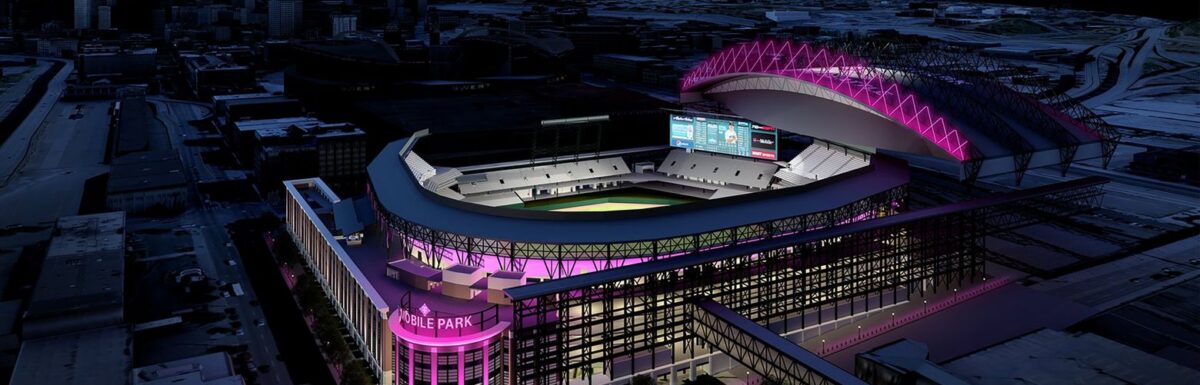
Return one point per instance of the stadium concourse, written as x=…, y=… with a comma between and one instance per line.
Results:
x=591, y=263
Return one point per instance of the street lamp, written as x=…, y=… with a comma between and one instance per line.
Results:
x=926, y=302
x=859, y=331
x=822, y=345
x=893, y=318
x=956, y=293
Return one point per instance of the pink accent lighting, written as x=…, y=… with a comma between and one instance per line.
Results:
x=841, y=73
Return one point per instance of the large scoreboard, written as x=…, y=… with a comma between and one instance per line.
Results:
x=724, y=135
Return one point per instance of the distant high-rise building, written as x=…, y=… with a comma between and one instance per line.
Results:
x=84, y=13
x=104, y=17
x=407, y=9
x=339, y=23
x=249, y=4
x=284, y=17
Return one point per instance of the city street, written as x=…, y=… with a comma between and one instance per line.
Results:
x=216, y=249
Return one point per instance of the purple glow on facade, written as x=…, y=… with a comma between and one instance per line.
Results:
x=443, y=345
x=841, y=73
x=534, y=267
x=540, y=267
x=460, y=365
x=425, y=338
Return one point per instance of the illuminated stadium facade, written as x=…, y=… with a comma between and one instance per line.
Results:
x=598, y=266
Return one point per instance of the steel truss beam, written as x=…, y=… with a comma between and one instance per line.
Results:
x=983, y=92
x=576, y=331
x=560, y=260
x=760, y=349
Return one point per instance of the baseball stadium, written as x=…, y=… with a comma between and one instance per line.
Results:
x=772, y=206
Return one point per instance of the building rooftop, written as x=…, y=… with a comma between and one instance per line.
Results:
x=908, y=356
x=252, y=100
x=95, y=357
x=209, y=62
x=88, y=233
x=266, y=124
x=84, y=270
x=133, y=126
x=209, y=369
x=139, y=51
x=368, y=262
x=146, y=171
x=320, y=130
x=1055, y=357
x=353, y=49
x=633, y=58
x=231, y=98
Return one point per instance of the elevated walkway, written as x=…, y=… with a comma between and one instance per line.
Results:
x=760, y=349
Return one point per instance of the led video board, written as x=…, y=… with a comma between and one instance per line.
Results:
x=724, y=135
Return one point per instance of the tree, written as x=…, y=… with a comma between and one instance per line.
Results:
x=269, y=221
x=355, y=374
x=338, y=351
x=641, y=379
x=704, y=379
x=311, y=296
x=284, y=249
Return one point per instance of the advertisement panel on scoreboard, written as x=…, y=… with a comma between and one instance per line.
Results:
x=724, y=135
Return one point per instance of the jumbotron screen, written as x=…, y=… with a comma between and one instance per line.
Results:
x=724, y=135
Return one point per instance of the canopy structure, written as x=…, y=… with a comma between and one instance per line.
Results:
x=949, y=111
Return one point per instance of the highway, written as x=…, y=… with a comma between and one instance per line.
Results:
x=1129, y=69
x=15, y=148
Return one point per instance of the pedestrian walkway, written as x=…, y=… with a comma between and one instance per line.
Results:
x=926, y=309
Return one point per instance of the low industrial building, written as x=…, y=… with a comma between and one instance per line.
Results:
x=123, y=64
x=147, y=180
x=290, y=148
x=82, y=283
x=1043, y=357
x=131, y=121
x=233, y=108
x=209, y=369
x=216, y=74
x=73, y=331
x=94, y=357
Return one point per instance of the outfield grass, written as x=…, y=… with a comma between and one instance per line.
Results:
x=615, y=200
